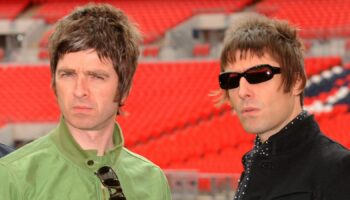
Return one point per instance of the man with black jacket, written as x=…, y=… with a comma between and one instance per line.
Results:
x=4, y=150
x=263, y=78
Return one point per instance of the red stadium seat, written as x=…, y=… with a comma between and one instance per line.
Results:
x=150, y=51
x=316, y=18
x=153, y=16
x=201, y=50
x=11, y=9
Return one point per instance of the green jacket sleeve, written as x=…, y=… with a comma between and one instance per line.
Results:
x=8, y=186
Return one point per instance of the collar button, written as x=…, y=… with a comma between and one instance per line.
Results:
x=90, y=162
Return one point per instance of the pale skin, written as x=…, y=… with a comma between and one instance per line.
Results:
x=86, y=89
x=263, y=108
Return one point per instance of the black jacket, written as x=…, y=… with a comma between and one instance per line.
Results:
x=4, y=150
x=304, y=165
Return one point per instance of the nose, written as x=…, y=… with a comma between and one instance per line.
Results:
x=81, y=87
x=244, y=89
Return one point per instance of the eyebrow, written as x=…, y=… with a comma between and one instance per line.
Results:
x=251, y=67
x=65, y=70
x=98, y=72
x=89, y=72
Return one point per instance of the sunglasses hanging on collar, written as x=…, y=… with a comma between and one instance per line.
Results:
x=110, y=180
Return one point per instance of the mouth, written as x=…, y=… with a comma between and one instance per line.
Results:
x=82, y=108
x=249, y=111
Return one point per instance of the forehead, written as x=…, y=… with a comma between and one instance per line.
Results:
x=246, y=60
x=86, y=59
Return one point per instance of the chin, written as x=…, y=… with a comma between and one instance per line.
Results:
x=83, y=124
x=250, y=127
x=251, y=130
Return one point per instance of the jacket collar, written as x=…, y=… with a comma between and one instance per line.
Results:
x=87, y=159
x=289, y=139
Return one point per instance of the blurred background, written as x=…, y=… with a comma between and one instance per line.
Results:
x=171, y=118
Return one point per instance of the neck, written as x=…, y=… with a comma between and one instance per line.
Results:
x=100, y=140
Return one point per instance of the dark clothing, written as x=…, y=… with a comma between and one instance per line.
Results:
x=264, y=151
x=4, y=150
x=300, y=164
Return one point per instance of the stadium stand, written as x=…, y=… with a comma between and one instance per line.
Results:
x=163, y=16
x=201, y=50
x=150, y=51
x=318, y=18
x=10, y=10
x=26, y=95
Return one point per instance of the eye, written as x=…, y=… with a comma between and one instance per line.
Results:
x=259, y=70
x=233, y=75
x=66, y=74
x=97, y=76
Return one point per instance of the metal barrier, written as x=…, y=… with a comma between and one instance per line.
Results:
x=192, y=185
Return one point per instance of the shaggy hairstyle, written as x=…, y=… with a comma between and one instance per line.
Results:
x=256, y=34
x=105, y=29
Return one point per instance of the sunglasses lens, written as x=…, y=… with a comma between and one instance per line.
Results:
x=258, y=75
x=117, y=198
x=254, y=75
x=111, y=182
x=103, y=170
x=229, y=80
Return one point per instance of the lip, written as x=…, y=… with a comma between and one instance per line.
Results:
x=249, y=110
x=82, y=108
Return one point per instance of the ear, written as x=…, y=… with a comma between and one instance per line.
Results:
x=125, y=96
x=122, y=101
x=298, y=87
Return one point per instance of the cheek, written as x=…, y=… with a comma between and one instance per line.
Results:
x=233, y=98
x=62, y=90
x=106, y=94
x=62, y=93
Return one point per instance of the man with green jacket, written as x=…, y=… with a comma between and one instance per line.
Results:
x=93, y=58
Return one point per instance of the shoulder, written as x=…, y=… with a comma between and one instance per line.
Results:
x=332, y=156
x=137, y=165
x=342, y=158
x=131, y=157
x=28, y=152
x=145, y=172
x=332, y=150
x=338, y=183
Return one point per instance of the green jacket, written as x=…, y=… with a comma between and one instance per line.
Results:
x=55, y=167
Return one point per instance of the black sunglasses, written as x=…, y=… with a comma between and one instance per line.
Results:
x=254, y=75
x=110, y=180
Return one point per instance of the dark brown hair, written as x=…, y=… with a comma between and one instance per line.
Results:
x=258, y=35
x=105, y=29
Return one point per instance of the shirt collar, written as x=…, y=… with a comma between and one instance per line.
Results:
x=299, y=134
x=288, y=136
x=88, y=159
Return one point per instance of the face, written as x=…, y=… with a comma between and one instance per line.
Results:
x=86, y=90
x=262, y=108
